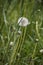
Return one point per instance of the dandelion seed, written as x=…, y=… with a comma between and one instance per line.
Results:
x=37, y=40
x=22, y=21
x=18, y=54
x=11, y=43
x=19, y=32
x=41, y=51
x=38, y=10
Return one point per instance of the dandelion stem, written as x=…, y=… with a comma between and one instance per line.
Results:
x=21, y=41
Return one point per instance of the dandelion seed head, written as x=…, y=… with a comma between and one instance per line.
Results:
x=11, y=43
x=22, y=21
x=41, y=51
x=37, y=40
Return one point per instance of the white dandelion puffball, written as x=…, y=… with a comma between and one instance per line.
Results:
x=37, y=40
x=22, y=21
x=11, y=43
x=41, y=51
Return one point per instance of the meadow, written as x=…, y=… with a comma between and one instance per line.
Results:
x=21, y=32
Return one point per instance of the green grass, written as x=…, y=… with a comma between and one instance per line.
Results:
x=26, y=46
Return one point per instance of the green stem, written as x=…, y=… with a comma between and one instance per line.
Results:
x=34, y=51
x=13, y=53
x=33, y=55
x=37, y=30
x=21, y=44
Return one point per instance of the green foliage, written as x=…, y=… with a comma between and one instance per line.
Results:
x=25, y=47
